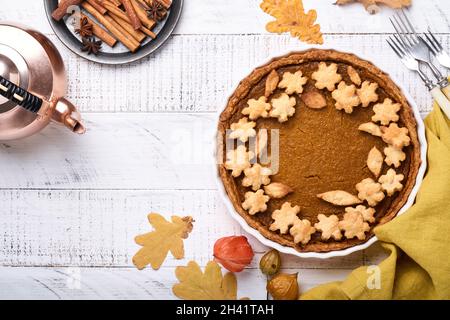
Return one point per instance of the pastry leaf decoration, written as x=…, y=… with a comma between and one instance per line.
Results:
x=291, y=17
x=372, y=5
x=208, y=285
x=167, y=236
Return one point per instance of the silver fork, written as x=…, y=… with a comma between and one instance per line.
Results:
x=418, y=48
x=436, y=48
x=405, y=55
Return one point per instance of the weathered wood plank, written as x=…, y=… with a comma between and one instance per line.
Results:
x=179, y=77
x=233, y=16
x=196, y=73
x=97, y=228
x=120, y=151
x=127, y=283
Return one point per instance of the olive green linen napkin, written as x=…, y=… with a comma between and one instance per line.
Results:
x=418, y=266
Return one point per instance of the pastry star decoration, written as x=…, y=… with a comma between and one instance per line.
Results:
x=346, y=97
x=395, y=136
x=256, y=176
x=242, y=130
x=257, y=108
x=367, y=93
x=293, y=82
x=370, y=191
x=353, y=225
x=302, y=231
x=394, y=156
x=255, y=202
x=283, y=107
x=284, y=217
x=326, y=76
x=391, y=182
x=386, y=112
x=329, y=226
x=366, y=213
x=238, y=160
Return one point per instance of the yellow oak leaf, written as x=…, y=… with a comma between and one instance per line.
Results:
x=291, y=17
x=167, y=236
x=372, y=5
x=208, y=285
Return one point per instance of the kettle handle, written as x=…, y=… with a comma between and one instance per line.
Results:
x=20, y=96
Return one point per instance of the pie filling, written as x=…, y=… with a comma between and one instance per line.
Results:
x=347, y=157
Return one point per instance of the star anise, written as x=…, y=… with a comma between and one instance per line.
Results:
x=156, y=11
x=85, y=28
x=91, y=45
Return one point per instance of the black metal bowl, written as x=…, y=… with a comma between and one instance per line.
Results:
x=118, y=55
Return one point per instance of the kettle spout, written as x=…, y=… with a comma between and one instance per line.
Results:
x=66, y=113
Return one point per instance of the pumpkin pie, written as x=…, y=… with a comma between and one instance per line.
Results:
x=317, y=148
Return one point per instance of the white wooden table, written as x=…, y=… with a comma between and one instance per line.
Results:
x=70, y=206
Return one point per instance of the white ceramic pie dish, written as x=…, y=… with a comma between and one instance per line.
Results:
x=336, y=253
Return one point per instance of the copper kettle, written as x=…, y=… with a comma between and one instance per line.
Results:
x=32, y=84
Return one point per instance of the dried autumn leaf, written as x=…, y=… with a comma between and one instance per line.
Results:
x=372, y=5
x=291, y=17
x=208, y=285
x=167, y=236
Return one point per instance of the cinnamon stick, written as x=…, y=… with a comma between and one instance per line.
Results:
x=136, y=34
x=97, y=6
x=122, y=30
x=63, y=8
x=114, y=2
x=142, y=15
x=116, y=11
x=100, y=33
x=132, y=14
x=129, y=42
x=122, y=15
x=148, y=32
x=144, y=4
x=165, y=3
